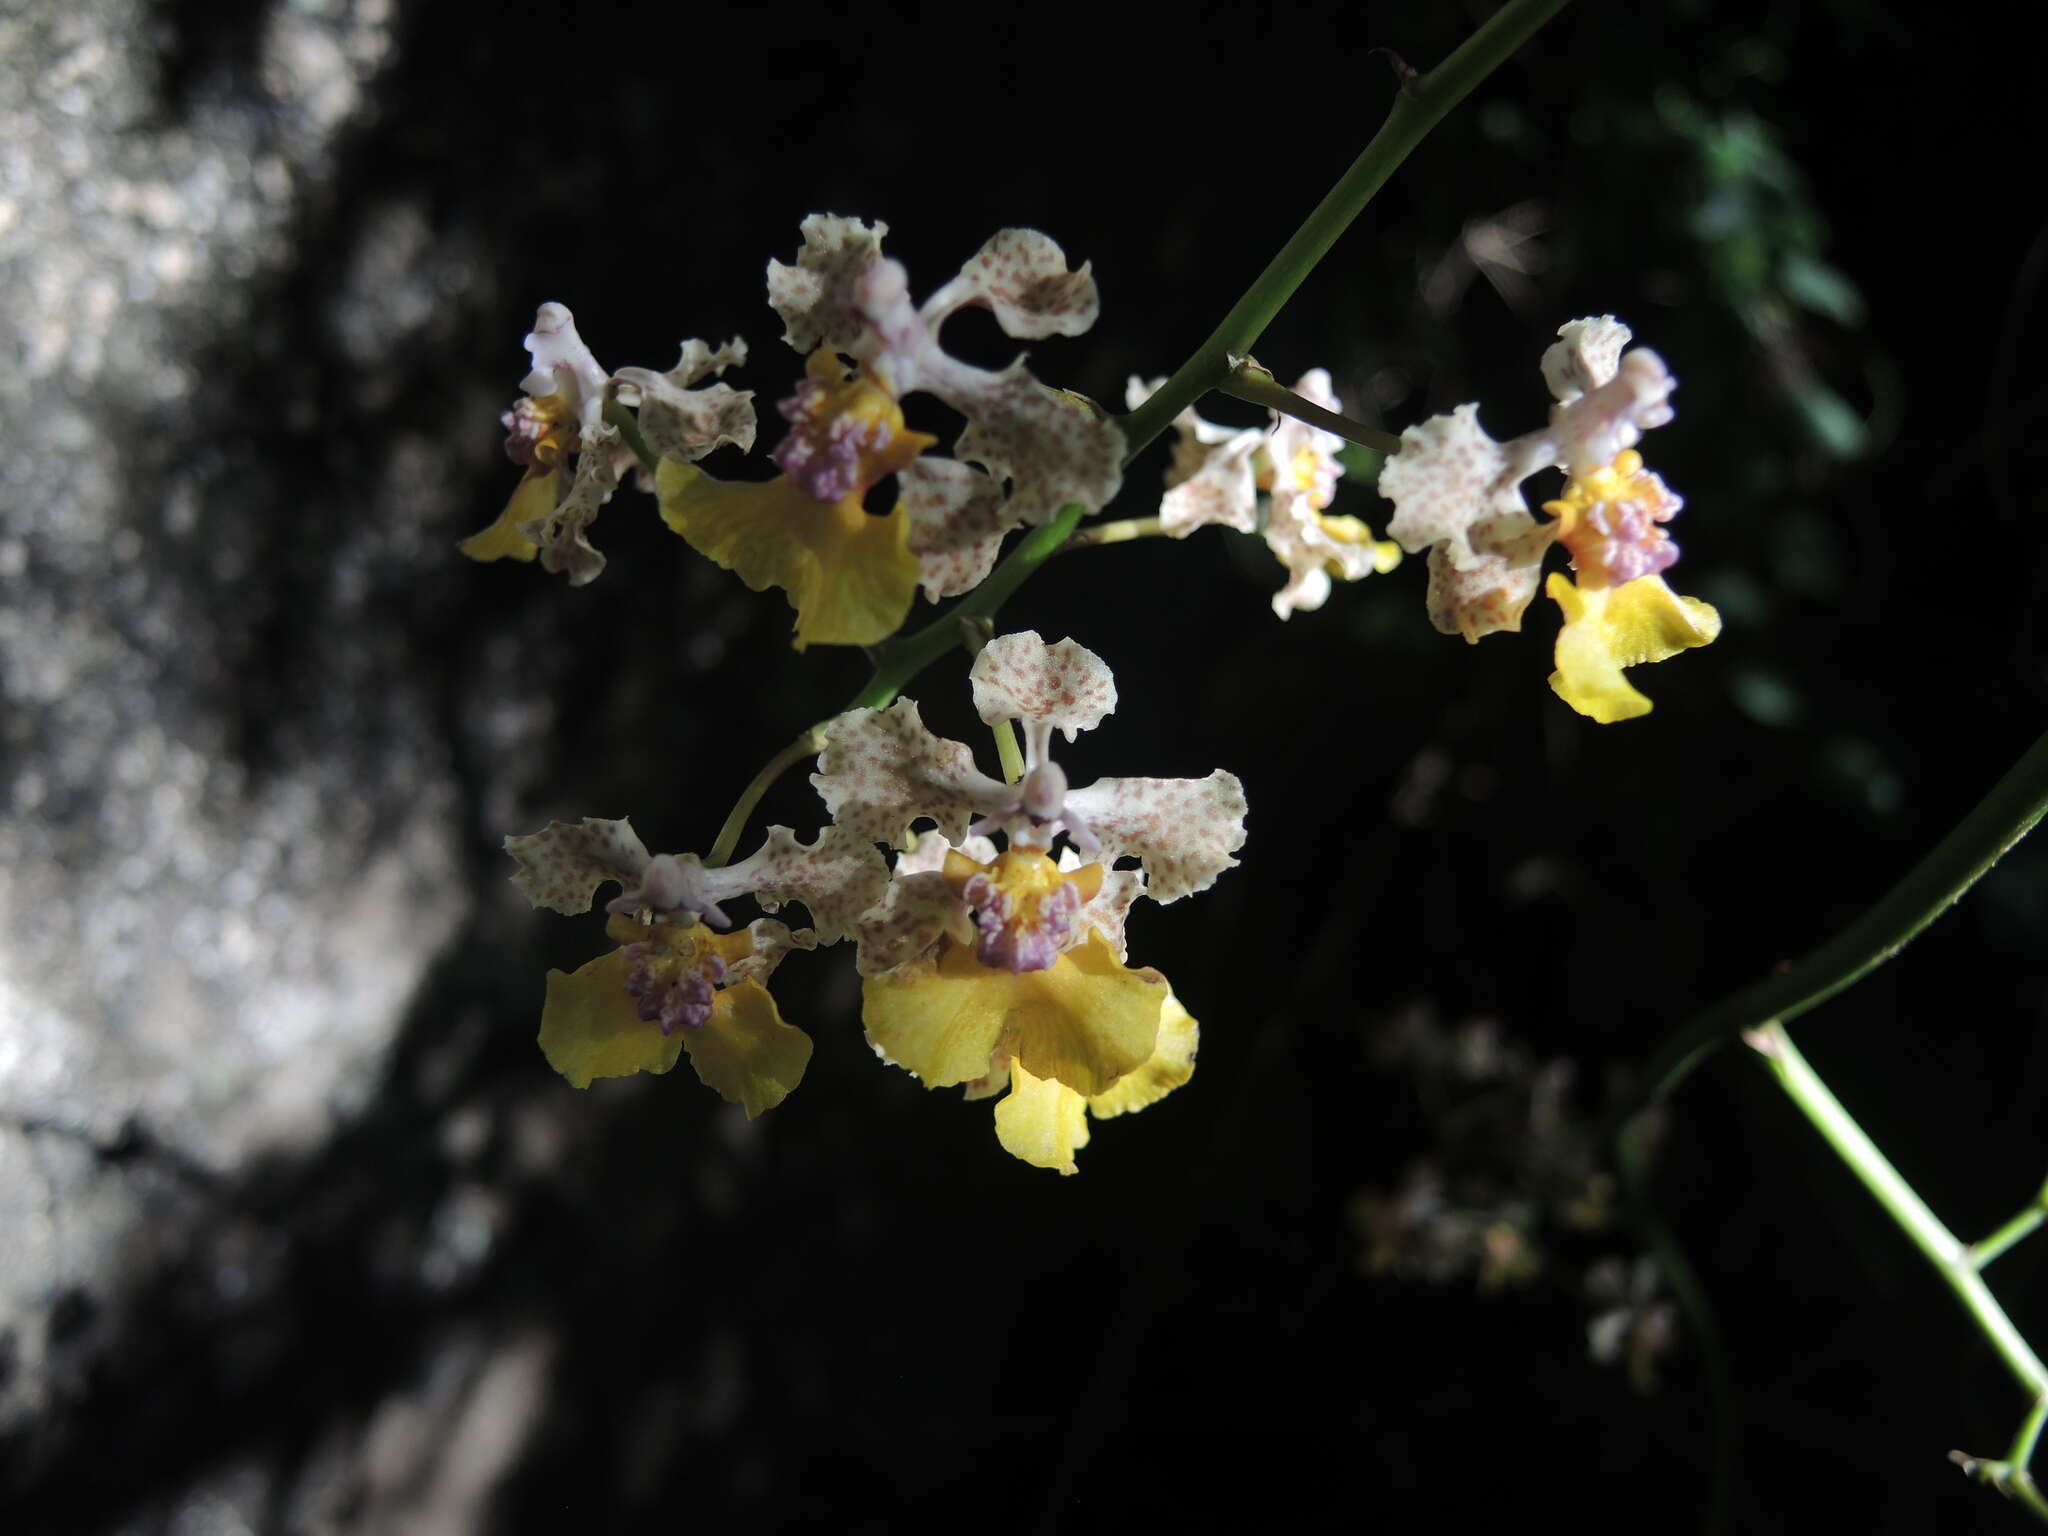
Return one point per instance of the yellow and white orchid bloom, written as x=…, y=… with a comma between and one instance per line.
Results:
x=987, y=967
x=674, y=982
x=1457, y=494
x=1027, y=451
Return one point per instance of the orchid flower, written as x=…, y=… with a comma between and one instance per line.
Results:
x=1217, y=474
x=1027, y=451
x=674, y=982
x=1457, y=494
x=562, y=414
x=986, y=967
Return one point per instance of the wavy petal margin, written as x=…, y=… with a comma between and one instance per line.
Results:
x=1609, y=628
x=1064, y=686
x=850, y=576
x=746, y=1053
x=1086, y=1021
x=1041, y=1121
x=1183, y=831
x=562, y=865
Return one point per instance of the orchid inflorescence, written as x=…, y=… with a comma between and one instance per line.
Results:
x=987, y=914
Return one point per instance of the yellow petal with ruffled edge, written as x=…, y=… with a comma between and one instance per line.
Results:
x=1044, y=1122
x=849, y=576
x=534, y=496
x=1085, y=1021
x=1041, y=1121
x=590, y=1028
x=744, y=1052
x=1608, y=628
x=1172, y=1063
x=934, y=1019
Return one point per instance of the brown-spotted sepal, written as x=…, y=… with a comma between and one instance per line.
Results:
x=1449, y=477
x=681, y=417
x=882, y=769
x=1064, y=687
x=957, y=524
x=835, y=877
x=815, y=296
x=562, y=865
x=1183, y=832
x=1022, y=277
x=919, y=905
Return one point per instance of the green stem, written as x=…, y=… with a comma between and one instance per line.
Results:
x=1797, y=1077
x=2022, y=1452
x=2000, y=819
x=809, y=744
x=1983, y=1251
x=1419, y=107
x=2011, y=1476
x=1952, y=1261
x=2018, y=1476
x=1248, y=381
x=1008, y=752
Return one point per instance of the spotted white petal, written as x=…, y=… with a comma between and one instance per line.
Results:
x=1022, y=275
x=1020, y=677
x=815, y=297
x=957, y=522
x=881, y=770
x=1491, y=593
x=1211, y=478
x=914, y=912
x=837, y=878
x=1585, y=355
x=918, y=905
x=1224, y=491
x=683, y=422
x=928, y=854
x=1182, y=831
x=1449, y=475
x=1054, y=448
x=562, y=865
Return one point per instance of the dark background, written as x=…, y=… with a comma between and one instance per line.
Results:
x=858, y=1310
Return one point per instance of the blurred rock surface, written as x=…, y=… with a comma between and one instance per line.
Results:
x=226, y=843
